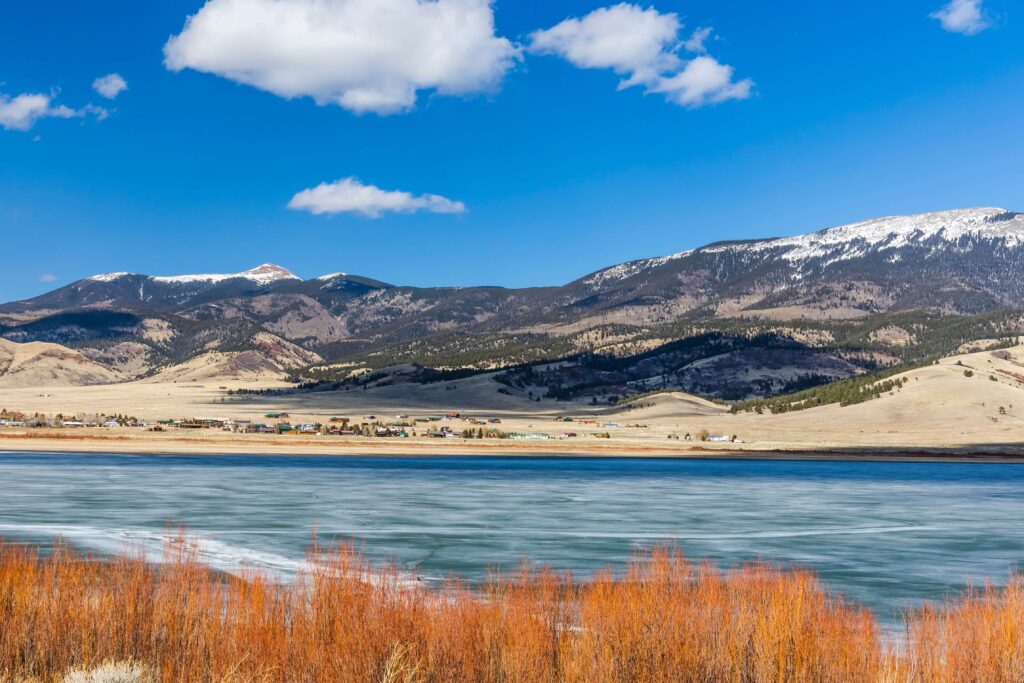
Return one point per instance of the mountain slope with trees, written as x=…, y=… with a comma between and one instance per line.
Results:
x=835, y=303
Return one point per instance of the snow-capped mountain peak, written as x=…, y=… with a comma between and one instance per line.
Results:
x=262, y=275
x=108, y=277
x=894, y=232
x=938, y=230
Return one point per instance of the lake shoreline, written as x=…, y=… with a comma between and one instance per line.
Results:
x=229, y=445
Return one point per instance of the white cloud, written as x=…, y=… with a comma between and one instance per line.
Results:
x=642, y=46
x=631, y=41
x=47, y=277
x=350, y=195
x=962, y=16
x=364, y=55
x=21, y=112
x=110, y=86
x=696, y=41
x=703, y=81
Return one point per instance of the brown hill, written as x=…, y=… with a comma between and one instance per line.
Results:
x=39, y=364
x=974, y=399
x=269, y=359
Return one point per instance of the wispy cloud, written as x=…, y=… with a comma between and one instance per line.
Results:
x=22, y=112
x=962, y=16
x=110, y=86
x=643, y=46
x=364, y=55
x=696, y=43
x=47, y=277
x=350, y=195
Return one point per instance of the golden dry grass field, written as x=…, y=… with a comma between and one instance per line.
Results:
x=971, y=404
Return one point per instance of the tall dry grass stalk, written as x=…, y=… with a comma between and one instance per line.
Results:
x=976, y=637
x=65, y=617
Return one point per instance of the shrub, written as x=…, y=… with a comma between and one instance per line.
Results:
x=663, y=619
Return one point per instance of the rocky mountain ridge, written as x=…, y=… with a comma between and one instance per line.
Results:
x=959, y=263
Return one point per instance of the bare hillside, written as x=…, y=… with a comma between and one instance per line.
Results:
x=39, y=364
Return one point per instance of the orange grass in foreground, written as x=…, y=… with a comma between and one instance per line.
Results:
x=665, y=619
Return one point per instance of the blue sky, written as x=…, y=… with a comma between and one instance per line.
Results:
x=550, y=170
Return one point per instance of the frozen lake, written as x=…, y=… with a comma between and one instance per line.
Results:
x=887, y=534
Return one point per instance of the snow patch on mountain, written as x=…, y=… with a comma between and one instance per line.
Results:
x=856, y=240
x=895, y=232
x=625, y=271
x=108, y=277
x=261, y=275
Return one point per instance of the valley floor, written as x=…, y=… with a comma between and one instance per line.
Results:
x=969, y=406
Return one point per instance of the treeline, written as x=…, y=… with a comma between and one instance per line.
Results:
x=934, y=333
x=611, y=375
x=451, y=357
x=607, y=358
x=845, y=392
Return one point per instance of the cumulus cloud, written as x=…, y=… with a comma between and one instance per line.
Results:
x=21, y=112
x=642, y=46
x=110, y=86
x=364, y=55
x=962, y=16
x=350, y=195
x=703, y=81
x=633, y=42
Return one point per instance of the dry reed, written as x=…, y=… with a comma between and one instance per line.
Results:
x=665, y=619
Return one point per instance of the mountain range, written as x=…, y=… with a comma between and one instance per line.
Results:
x=828, y=304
